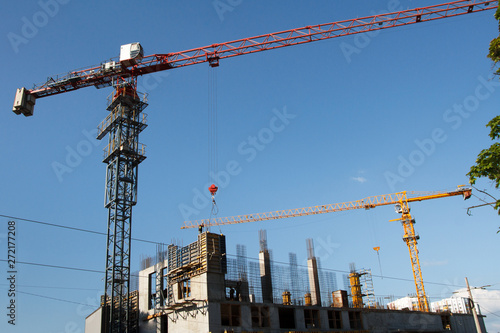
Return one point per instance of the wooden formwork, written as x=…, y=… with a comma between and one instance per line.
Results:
x=213, y=252
x=207, y=254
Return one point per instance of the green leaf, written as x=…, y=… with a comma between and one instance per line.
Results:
x=494, y=125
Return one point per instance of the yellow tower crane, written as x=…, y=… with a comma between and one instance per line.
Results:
x=399, y=199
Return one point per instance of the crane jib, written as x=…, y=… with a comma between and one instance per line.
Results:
x=366, y=203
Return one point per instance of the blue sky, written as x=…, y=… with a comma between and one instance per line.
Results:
x=406, y=111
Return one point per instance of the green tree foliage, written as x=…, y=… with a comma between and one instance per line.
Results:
x=488, y=160
x=494, y=51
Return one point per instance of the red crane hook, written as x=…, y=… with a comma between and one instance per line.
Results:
x=213, y=189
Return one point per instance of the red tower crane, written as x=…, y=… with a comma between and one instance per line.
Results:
x=125, y=121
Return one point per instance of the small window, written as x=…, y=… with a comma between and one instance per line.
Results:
x=184, y=289
x=225, y=314
x=335, y=319
x=287, y=317
x=164, y=324
x=230, y=314
x=164, y=287
x=355, y=320
x=152, y=290
x=311, y=318
x=260, y=316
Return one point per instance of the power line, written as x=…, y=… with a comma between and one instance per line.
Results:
x=73, y=228
x=230, y=255
x=55, y=299
x=56, y=266
x=64, y=267
x=152, y=242
x=50, y=287
x=492, y=313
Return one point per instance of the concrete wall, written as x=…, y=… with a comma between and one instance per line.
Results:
x=324, y=319
x=312, y=267
x=465, y=323
x=274, y=317
x=200, y=317
x=194, y=318
x=145, y=326
x=299, y=319
x=191, y=319
x=378, y=321
x=93, y=322
x=374, y=321
x=265, y=276
x=345, y=320
x=216, y=290
x=148, y=326
x=151, y=325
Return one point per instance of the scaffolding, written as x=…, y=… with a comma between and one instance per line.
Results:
x=367, y=287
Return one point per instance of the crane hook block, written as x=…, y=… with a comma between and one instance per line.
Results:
x=213, y=189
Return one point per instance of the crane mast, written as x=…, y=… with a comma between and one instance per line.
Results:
x=122, y=155
x=124, y=152
x=399, y=199
x=410, y=238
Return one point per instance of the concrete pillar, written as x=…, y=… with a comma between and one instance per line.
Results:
x=265, y=277
x=312, y=267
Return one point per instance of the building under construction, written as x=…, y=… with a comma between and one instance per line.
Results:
x=200, y=288
x=195, y=288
